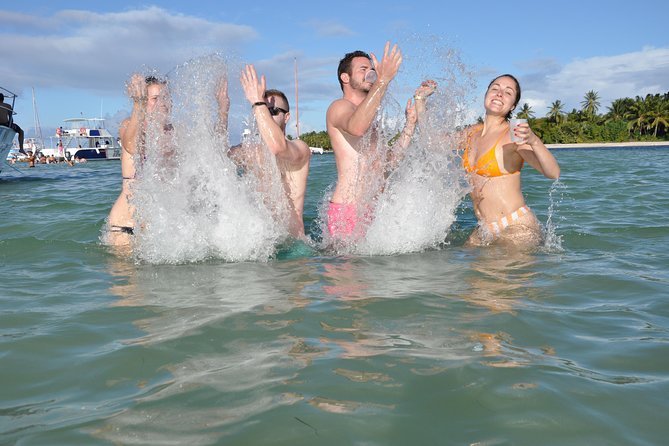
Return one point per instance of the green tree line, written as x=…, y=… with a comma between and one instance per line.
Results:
x=639, y=119
x=317, y=139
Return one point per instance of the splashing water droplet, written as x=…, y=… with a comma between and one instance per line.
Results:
x=191, y=202
x=553, y=241
x=411, y=206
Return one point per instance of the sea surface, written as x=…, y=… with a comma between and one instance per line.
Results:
x=567, y=344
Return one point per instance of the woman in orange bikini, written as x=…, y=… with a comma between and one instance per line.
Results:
x=493, y=162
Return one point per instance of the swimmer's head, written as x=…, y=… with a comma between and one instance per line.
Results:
x=346, y=62
x=515, y=88
x=151, y=80
x=157, y=96
x=278, y=106
x=269, y=93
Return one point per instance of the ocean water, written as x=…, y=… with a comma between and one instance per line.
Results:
x=568, y=344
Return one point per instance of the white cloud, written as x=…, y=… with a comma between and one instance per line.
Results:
x=326, y=28
x=82, y=49
x=612, y=77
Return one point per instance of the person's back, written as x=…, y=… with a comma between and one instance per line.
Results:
x=272, y=112
x=294, y=175
x=5, y=111
x=6, y=114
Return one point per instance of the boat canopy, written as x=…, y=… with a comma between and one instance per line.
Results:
x=88, y=123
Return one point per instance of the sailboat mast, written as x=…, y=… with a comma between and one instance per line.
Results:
x=38, y=127
x=297, y=104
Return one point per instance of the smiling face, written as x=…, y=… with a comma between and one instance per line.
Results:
x=502, y=96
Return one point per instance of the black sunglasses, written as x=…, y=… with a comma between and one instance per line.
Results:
x=276, y=110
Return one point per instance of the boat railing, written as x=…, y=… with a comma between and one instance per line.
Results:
x=8, y=119
x=7, y=135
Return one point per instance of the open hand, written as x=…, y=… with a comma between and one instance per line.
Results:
x=425, y=89
x=136, y=88
x=390, y=63
x=253, y=90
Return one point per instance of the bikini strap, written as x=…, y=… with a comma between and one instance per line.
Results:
x=500, y=137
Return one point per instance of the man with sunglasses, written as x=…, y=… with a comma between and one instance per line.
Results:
x=272, y=112
x=363, y=159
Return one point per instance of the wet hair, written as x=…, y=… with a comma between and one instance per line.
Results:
x=278, y=93
x=345, y=64
x=508, y=116
x=154, y=80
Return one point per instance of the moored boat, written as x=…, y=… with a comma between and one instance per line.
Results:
x=85, y=138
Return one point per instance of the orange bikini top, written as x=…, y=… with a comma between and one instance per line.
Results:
x=487, y=165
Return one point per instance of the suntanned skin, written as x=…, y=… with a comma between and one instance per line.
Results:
x=350, y=118
x=496, y=197
x=146, y=99
x=292, y=156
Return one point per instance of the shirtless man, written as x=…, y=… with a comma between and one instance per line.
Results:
x=146, y=94
x=364, y=81
x=272, y=112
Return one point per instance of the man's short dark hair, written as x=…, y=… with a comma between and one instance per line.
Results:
x=345, y=64
x=278, y=93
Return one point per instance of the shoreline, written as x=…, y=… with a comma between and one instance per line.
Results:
x=607, y=145
x=592, y=145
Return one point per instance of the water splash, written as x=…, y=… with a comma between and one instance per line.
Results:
x=191, y=203
x=412, y=208
x=553, y=241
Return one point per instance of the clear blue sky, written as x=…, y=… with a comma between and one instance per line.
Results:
x=77, y=55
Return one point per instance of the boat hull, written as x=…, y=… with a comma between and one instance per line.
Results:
x=111, y=153
x=6, y=139
x=86, y=138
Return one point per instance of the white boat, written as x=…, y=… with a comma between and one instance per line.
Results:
x=7, y=134
x=85, y=138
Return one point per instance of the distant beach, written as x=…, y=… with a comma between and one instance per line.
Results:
x=609, y=145
x=598, y=145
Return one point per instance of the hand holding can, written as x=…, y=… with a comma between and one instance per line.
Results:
x=513, y=123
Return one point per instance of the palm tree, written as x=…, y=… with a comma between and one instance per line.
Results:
x=658, y=113
x=618, y=109
x=555, y=112
x=525, y=112
x=575, y=115
x=638, y=115
x=590, y=103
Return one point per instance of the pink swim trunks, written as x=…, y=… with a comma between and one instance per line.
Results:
x=343, y=219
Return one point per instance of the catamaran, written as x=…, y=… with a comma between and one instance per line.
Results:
x=85, y=138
